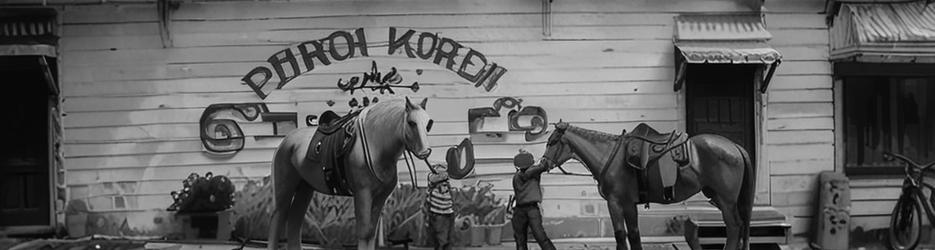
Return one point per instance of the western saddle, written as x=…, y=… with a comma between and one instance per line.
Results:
x=332, y=141
x=668, y=151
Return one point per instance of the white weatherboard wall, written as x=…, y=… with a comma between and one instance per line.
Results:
x=133, y=106
x=800, y=114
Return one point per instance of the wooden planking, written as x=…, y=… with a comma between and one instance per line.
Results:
x=233, y=85
x=532, y=59
x=796, y=211
x=330, y=23
x=807, y=123
x=794, y=6
x=801, y=228
x=794, y=190
x=867, y=223
x=805, y=37
x=778, y=21
x=875, y=207
x=800, y=59
x=375, y=36
x=222, y=73
x=75, y=148
x=799, y=110
x=875, y=194
x=816, y=67
x=632, y=98
x=161, y=173
x=803, y=53
x=109, y=13
x=793, y=96
x=242, y=10
x=800, y=82
x=614, y=106
x=780, y=153
x=183, y=130
x=784, y=137
x=798, y=167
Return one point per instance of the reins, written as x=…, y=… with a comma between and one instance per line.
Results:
x=368, y=159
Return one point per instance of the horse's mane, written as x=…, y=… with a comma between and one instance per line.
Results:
x=592, y=134
x=387, y=112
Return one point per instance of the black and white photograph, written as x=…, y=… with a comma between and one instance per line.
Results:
x=467, y=124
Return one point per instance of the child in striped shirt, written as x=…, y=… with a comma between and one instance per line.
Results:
x=439, y=206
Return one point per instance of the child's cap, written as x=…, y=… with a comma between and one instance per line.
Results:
x=523, y=159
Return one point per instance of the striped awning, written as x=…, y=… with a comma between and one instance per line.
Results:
x=736, y=38
x=727, y=52
x=723, y=39
x=28, y=31
x=884, y=32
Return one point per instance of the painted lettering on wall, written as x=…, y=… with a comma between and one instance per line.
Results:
x=289, y=63
x=338, y=46
x=376, y=81
x=442, y=51
x=532, y=119
x=221, y=127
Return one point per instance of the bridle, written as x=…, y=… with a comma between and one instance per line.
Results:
x=552, y=163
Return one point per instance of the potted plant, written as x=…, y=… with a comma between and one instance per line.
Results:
x=202, y=206
x=483, y=211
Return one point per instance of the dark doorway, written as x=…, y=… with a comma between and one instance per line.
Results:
x=719, y=100
x=25, y=154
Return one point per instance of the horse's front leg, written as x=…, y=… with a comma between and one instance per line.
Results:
x=375, y=210
x=633, y=225
x=363, y=202
x=619, y=214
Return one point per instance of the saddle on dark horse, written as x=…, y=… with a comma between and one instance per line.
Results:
x=648, y=151
x=332, y=141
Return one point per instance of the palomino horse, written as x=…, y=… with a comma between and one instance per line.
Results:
x=720, y=169
x=389, y=127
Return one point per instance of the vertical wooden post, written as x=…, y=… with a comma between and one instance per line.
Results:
x=760, y=156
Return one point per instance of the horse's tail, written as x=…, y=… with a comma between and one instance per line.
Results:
x=747, y=196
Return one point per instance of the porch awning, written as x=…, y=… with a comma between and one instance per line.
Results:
x=884, y=32
x=28, y=32
x=722, y=39
x=727, y=52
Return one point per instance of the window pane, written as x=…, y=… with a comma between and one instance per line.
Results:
x=891, y=114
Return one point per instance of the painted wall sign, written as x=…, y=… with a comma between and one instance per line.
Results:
x=341, y=45
x=376, y=81
x=532, y=119
x=221, y=130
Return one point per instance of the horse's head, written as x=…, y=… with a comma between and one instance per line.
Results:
x=557, y=150
x=418, y=124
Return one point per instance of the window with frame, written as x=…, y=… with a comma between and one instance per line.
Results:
x=887, y=111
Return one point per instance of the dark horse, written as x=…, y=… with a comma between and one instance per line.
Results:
x=389, y=127
x=719, y=168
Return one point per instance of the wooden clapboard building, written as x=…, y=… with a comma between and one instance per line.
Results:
x=883, y=56
x=152, y=91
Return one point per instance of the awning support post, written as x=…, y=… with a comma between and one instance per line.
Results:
x=547, y=18
x=680, y=75
x=769, y=75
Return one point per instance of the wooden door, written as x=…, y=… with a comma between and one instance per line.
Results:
x=720, y=101
x=24, y=152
